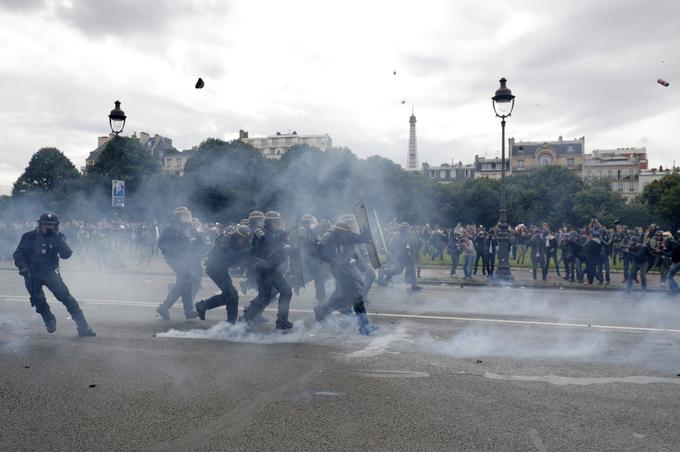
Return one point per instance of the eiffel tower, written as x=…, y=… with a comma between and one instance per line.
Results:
x=412, y=158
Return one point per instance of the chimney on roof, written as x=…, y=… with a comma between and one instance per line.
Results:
x=559, y=138
x=242, y=134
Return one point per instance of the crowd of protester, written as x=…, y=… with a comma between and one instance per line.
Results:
x=584, y=255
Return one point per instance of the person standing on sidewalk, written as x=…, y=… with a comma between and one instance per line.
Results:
x=453, y=248
x=468, y=250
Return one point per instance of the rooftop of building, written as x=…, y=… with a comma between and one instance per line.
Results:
x=560, y=146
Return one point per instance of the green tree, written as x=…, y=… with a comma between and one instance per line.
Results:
x=226, y=180
x=597, y=200
x=125, y=159
x=48, y=170
x=662, y=198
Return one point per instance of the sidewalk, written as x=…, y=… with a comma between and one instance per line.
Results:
x=523, y=277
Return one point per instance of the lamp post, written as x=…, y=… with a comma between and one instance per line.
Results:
x=117, y=119
x=503, y=103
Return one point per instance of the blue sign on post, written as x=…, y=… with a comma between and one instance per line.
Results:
x=118, y=193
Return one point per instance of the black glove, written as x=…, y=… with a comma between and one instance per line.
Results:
x=25, y=272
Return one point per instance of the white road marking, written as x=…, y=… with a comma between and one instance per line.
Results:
x=625, y=328
x=379, y=344
x=583, y=381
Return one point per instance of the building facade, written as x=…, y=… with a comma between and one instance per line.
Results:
x=490, y=167
x=275, y=146
x=448, y=173
x=651, y=175
x=529, y=155
x=621, y=170
x=175, y=161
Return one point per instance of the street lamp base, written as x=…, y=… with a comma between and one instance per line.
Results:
x=502, y=277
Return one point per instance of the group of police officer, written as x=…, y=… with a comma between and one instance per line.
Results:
x=273, y=260
x=260, y=247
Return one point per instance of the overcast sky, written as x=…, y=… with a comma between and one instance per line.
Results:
x=578, y=68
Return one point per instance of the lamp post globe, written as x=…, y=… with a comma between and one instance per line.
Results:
x=117, y=119
x=503, y=100
x=503, y=103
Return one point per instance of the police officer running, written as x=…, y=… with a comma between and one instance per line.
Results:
x=37, y=258
x=182, y=246
x=339, y=248
x=230, y=250
x=270, y=251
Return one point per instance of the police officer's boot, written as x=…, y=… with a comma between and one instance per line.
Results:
x=365, y=326
x=50, y=321
x=283, y=325
x=200, y=309
x=83, y=328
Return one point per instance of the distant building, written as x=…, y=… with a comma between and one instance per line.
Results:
x=653, y=174
x=174, y=161
x=275, y=146
x=621, y=170
x=529, y=155
x=448, y=173
x=640, y=153
x=490, y=167
x=157, y=146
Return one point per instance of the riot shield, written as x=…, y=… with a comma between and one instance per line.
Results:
x=362, y=218
x=380, y=233
x=297, y=277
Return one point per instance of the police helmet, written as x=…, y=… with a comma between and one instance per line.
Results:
x=243, y=231
x=48, y=218
x=272, y=217
x=309, y=220
x=256, y=215
x=342, y=226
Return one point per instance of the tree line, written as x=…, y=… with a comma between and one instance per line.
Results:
x=223, y=181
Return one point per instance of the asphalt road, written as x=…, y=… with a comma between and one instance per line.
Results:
x=451, y=368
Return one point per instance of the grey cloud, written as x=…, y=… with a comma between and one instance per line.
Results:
x=131, y=17
x=22, y=5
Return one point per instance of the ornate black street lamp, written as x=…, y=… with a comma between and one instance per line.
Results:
x=503, y=103
x=117, y=119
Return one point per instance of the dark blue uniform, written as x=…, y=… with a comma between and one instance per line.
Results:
x=182, y=246
x=227, y=252
x=37, y=258
x=269, y=253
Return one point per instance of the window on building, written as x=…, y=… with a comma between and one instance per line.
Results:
x=570, y=163
x=618, y=174
x=520, y=164
x=631, y=187
x=545, y=160
x=610, y=174
x=442, y=174
x=631, y=173
x=620, y=186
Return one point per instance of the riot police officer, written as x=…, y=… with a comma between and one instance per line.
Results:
x=405, y=248
x=182, y=246
x=338, y=247
x=229, y=250
x=270, y=252
x=37, y=258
